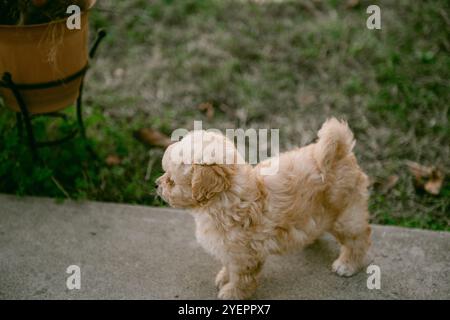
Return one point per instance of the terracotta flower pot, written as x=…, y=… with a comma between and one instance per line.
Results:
x=43, y=53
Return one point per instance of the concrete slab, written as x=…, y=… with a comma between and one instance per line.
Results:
x=137, y=252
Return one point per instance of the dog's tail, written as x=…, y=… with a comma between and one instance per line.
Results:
x=335, y=143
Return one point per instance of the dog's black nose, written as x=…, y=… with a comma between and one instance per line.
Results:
x=156, y=185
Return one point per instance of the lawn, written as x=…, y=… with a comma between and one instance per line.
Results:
x=263, y=64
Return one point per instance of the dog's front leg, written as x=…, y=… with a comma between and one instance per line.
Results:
x=243, y=279
x=222, y=278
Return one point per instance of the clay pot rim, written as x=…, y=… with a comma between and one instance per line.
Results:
x=39, y=25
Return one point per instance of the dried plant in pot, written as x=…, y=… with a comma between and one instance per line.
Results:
x=43, y=62
x=43, y=53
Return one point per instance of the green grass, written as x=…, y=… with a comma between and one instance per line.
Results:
x=287, y=65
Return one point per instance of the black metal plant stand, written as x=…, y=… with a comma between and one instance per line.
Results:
x=24, y=115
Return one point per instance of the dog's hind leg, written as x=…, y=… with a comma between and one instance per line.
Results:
x=352, y=230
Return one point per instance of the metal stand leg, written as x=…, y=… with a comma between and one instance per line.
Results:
x=81, y=127
x=7, y=78
x=80, y=112
x=100, y=35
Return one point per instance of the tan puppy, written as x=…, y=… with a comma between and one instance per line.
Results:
x=243, y=216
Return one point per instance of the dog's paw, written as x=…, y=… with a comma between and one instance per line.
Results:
x=231, y=292
x=222, y=278
x=344, y=269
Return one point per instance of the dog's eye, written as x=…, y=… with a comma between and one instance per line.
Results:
x=170, y=182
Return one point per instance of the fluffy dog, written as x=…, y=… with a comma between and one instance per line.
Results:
x=242, y=216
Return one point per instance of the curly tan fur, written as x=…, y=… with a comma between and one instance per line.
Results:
x=243, y=216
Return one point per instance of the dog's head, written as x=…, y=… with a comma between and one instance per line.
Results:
x=197, y=169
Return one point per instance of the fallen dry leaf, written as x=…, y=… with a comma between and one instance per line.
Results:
x=419, y=171
x=152, y=138
x=389, y=183
x=208, y=108
x=113, y=160
x=435, y=182
x=426, y=178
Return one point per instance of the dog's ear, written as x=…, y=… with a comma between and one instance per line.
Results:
x=209, y=180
